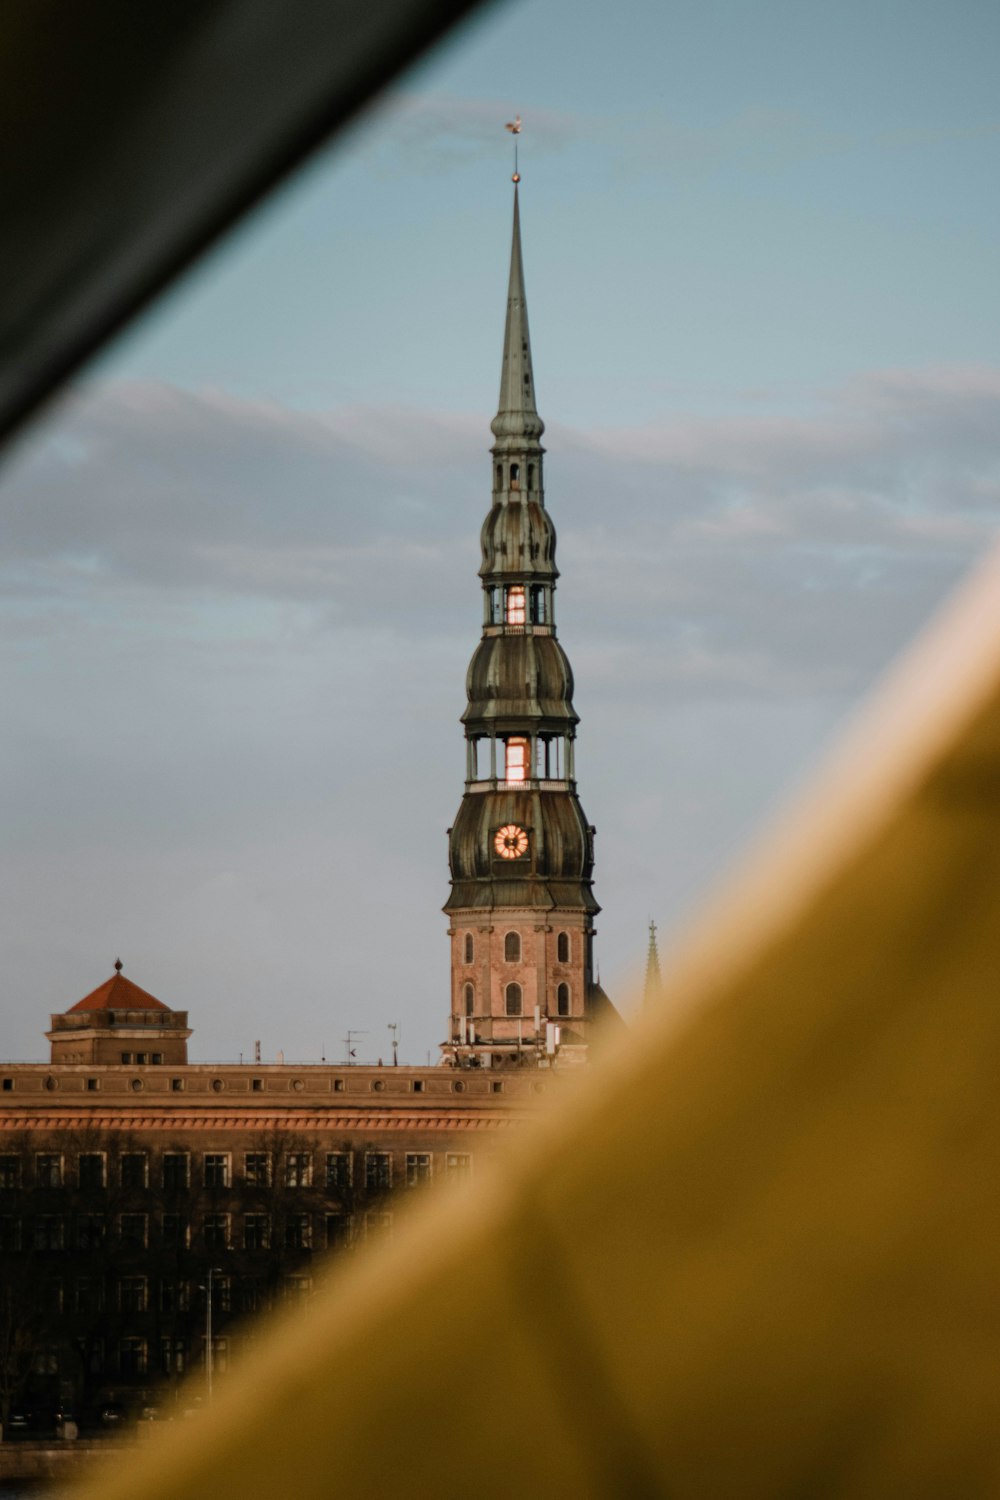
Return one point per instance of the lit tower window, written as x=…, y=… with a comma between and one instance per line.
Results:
x=515, y=604
x=516, y=760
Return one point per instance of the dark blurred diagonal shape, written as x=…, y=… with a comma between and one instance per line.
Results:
x=132, y=135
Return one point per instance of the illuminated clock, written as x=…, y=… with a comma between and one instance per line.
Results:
x=510, y=842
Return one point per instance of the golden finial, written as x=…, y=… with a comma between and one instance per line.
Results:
x=514, y=126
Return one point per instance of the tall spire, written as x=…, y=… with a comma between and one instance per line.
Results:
x=654, y=985
x=517, y=420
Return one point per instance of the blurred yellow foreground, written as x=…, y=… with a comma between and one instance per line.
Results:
x=756, y=1253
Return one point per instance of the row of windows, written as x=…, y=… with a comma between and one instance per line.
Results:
x=178, y=1085
x=296, y=1169
x=512, y=948
x=517, y=605
x=514, y=473
x=46, y=1232
x=514, y=999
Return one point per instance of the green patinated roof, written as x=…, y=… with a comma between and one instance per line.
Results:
x=517, y=416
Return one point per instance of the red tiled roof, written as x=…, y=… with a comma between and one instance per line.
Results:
x=118, y=993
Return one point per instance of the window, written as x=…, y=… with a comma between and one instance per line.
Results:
x=298, y=1288
x=257, y=1085
x=10, y=1172
x=298, y=1232
x=86, y=1296
x=338, y=1171
x=378, y=1171
x=45, y=1361
x=10, y=1233
x=494, y=601
x=175, y=1231
x=257, y=1168
x=418, y=1168
x=90, y=1230
x=176, y=1171
x=512, y=947
x=458, y=1164
x=514, y=613
x=538, y=610
x=220, y=1354
x=92, y=1170
x=418, y=1085
x=253, y=1298
x=499, y=476
x=132, y=1231
x=562, y=948
x=141, y=1057
x=158, y=1057
x=338, y=1085
x=175, y=1296
x=562, y=1000
x=512, y=1000
x=378, y=1225
x=217, y=1169
x=132, y=1294
x=126, y=1057
x=338, y=1230
x=515, y=474
x=496, y=1086
x=216, y=1231
x=173, y=1356
x=48, y=1233
x=298, y=1169
x=8, y=1085
x=516, y=760
x=222, y=1294
x=256, y=1231
x=132, y=1357
x=177, y=1084
x=470, y=947
x=48, y=1171
x=531, y=476
x=470, y=1000
x=134, y=1167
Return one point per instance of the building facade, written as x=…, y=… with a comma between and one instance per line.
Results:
x=149, y=1205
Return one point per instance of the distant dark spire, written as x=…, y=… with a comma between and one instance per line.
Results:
x=654, y=985
x=517, y=416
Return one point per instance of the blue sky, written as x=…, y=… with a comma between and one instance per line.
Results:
x=239, y=588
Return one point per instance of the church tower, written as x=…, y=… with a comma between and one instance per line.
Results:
x=521, y=910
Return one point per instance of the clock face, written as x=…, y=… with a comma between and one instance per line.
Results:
x=510, y=842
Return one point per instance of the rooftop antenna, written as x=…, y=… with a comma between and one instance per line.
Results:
x=394, y=1028
x=514, y=126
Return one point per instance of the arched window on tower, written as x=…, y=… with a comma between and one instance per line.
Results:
x=499, y=476
x=514, y=614
x=512, y=947
x=531, y=476
x=470, y=947
x=562, y=948
x=512, y=1000
x=515, y=476
x=562, y=1000
x=470, y=999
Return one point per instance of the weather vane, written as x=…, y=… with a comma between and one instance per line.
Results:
x=514, y=126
